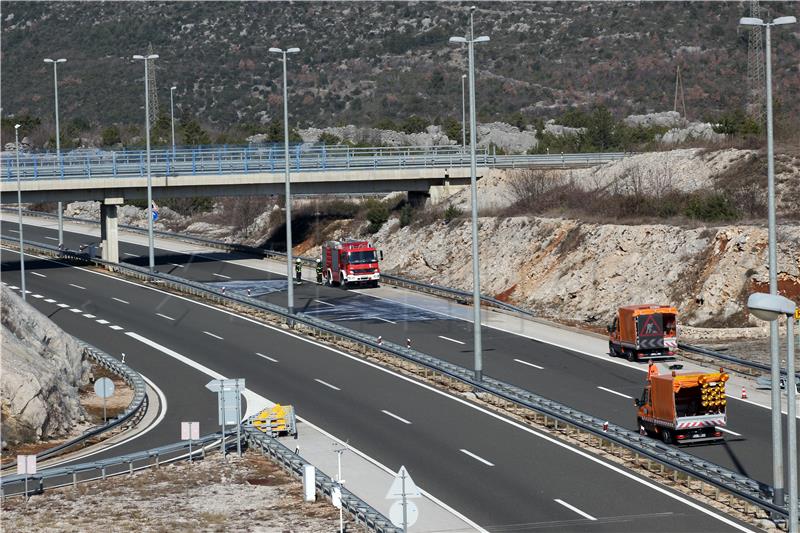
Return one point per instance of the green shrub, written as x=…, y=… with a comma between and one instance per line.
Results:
x=329, y=138
x=712, y=207
x=451, y=213
x=377, y=215
x=406, y=214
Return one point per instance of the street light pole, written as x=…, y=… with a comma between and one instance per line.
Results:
x=463, y=114
x=19, y=214
x=150, y=245
x=58, y=146
x=172, y=118
x=289, y=277
x=476, y=283
x=777, y=434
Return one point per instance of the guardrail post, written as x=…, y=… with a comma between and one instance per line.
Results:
x=114, y=162
x=245, y=158
x=562, y=160
x=219, y=160
x=103, y=470
x=324, y=156
x=88, y=166
x=297, y=156
x=35, y=167
x=141, y=164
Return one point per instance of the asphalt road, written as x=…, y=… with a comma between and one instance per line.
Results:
x=593, y=385
x=503, y=476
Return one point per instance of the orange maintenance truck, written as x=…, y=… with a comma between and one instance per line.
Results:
x=644, y=332
x=683, y=407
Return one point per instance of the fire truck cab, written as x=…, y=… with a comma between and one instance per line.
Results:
x=350, y=262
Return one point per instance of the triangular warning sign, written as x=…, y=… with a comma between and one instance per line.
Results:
x=651, y=328
x=396, y=490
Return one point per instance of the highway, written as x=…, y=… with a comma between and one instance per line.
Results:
x=504, y=476
x=594, y=385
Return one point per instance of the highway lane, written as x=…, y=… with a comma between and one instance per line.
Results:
x=102, y=330
x=591, y=384
x=464, y=456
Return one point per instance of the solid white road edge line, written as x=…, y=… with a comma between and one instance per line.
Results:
x=615, y=392
x=575, y=509
x=334, y=387
x=529, y=364
x=476, y=457
x=597, y=460
x=400, y=418
x=268, y=358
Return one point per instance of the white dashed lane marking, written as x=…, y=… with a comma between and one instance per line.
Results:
x=476, y=457
x=212, y=335
x=324, y=303
x=268, y=358
x=529, y=364
x=73, y=310
x=120, y=301
x=37, y=274
x=615, y=392
x=729, y=431
x=51, y=238
x=77, y=286
x=49, y=300
x=116, y=328
x=221, y=276
x=451, y=340
x=87, y=315
x=334, y=387
x=400, y=418
x=38, y=296
x=101, y=321
x=64, y=306
x=165, y=316
x=575, y=509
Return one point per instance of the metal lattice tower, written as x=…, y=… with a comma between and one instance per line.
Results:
x=153, y=110
x=756, y=78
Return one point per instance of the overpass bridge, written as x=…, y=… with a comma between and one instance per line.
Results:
x=114, y=177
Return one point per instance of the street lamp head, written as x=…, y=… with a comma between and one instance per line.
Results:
x=769, y=306
x=472, y=8
x=459, y=40
x=784, y=20
x=48, y=60
x=293, y=50
x=751, y=21
x=16, y=126
x=276, y=50
x=463, y=76
x=62, y=60
x=172, y=88
x=482, y=39
x=152, y=56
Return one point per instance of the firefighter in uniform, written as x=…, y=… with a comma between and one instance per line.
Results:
x=319, y=271
x=298, y=270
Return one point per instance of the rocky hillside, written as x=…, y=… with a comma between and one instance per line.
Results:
x=361, y=62
x=42, y=369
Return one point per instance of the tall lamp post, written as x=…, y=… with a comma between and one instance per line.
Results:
x=777, y=451
x=150, y=246
x=55, y=63
x=771, y=307
x=463, y=114
x=290, y=284
x=172, y=117
x=476, y=283
x=19, y=214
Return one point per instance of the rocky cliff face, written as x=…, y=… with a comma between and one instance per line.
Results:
x=42, y=369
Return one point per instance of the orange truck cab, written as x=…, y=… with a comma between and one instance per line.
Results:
x=683, y=407
x=645, y=331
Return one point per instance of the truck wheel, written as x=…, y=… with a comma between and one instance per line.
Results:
x=612, y=350
x=666, y=436
x=640, y=424
x=631, y=356
x=373, y=284
x=343, y=283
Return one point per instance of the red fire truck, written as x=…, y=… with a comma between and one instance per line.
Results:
x=350, y=262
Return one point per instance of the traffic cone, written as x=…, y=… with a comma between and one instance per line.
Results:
x=408, y=343
x=380, y=339
x=744, y=393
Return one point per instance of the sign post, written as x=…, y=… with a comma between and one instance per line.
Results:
x=26, y=465
x=403, y=513
x=104, y=388
x=229, y=405
x=190, y=431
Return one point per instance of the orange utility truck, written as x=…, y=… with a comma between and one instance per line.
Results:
x=683, y=407
x=644, y=332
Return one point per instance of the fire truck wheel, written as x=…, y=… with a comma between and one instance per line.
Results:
x=343, y=283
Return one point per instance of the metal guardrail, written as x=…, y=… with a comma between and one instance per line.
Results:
x=742, y=487
x=130, y=376
x=75, y=473
x=303, y=158
x=361, y=511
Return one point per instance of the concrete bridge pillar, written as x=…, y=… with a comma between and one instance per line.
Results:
x=109, y=233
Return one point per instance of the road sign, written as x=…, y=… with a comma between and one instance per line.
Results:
x=190, y=430
x=26, y=464
x=396, y=490
x=336, y=497
x=797, y=313
x=228, y=406
x=104, y=388
x=396, y=513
